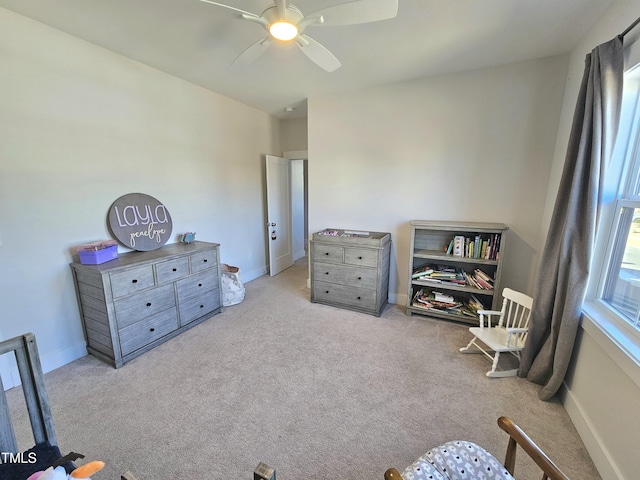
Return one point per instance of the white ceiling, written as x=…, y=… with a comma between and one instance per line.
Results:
x=198, y=42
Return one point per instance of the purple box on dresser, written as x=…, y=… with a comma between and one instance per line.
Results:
x=95, y=257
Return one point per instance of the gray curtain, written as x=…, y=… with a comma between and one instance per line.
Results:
x=565, y=260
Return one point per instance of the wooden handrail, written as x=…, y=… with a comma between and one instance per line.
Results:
x=518, y=437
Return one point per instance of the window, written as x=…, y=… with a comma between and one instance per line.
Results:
x=619, y=282
x=622, y=288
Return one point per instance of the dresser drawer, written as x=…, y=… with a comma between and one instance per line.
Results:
x=172, y=270
x=345, y=275
x=131, y=281
x=203, y=260
x=139, y=334
x=136, y=307
x=196, y=284
x=326, y=253
x=342, y=294
x=195, y=307
x=364, y=257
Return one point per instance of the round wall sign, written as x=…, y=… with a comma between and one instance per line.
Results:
x=140, y=222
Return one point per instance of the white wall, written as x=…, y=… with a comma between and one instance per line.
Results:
x=599, y=393
x=472, y=146
x=82, y=126
x=294, y=134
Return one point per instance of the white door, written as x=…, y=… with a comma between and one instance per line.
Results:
x=279, y=214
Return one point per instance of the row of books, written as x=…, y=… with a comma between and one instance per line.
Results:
x=434, y=300
x=481, y=246
x=448, y=275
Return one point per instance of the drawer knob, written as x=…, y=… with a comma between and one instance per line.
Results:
x=327, y=253
x=152, y=329
x=175, y=269
x=201, y=306
x=149, y=304
x=359, y=278
x=205, y=260
x=199, y=284
x=359, y=298
x=326, y=273
x=326, y=291
x=359, y=258
x=134, y=281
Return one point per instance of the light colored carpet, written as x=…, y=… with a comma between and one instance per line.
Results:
x=314, y=391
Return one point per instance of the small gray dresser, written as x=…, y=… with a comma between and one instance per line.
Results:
x=351, y=270
x=142, y=299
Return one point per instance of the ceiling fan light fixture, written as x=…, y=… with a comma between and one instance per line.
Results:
x=283, y=30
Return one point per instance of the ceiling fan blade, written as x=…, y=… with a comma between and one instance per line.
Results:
x=356, y=11
x=243, y=12
x=253, y=52
x=317, y=53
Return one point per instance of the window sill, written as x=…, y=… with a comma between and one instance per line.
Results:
x=617, y=340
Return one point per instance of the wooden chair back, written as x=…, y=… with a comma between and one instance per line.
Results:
x=26, y=353
x=516, y=309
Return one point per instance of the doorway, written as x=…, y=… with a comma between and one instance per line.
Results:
x=287, y=209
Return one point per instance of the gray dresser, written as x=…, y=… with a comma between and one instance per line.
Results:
x=131, y=304
x=350, y=270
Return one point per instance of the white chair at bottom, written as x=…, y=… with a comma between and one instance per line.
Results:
x=508, y=335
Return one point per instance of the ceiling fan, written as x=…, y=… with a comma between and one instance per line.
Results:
x=286, y=23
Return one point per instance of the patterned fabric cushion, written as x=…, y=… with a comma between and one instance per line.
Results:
x=422, y=469
x=461, y=460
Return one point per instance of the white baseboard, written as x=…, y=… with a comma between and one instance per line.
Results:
x=49, y=362
x=398, y=298
x=596, y=448
x=253, y=274
x=58, y=359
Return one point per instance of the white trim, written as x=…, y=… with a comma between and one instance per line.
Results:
x=253, y=274
x=603, y=461
x=49, y=362
x=398, y=299
x=296, y=155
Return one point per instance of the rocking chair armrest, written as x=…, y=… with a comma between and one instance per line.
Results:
x=488, y=313
x=392, y=474
x=517, y=330
x=518, y=437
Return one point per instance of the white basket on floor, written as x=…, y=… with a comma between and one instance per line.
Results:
x=232, y=288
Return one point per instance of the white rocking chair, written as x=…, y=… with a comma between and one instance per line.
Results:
x=509, y=335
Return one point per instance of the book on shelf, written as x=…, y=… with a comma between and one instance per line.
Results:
x=447, y=275
x=483, y=275
x=485, y=247
x=442, y=297
x=422, y=271
x=430, y=300
x=439, y=274
x=483, y=280
x=458, y=245
x=450, y=247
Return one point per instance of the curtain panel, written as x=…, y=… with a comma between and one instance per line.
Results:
x=565, y=261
